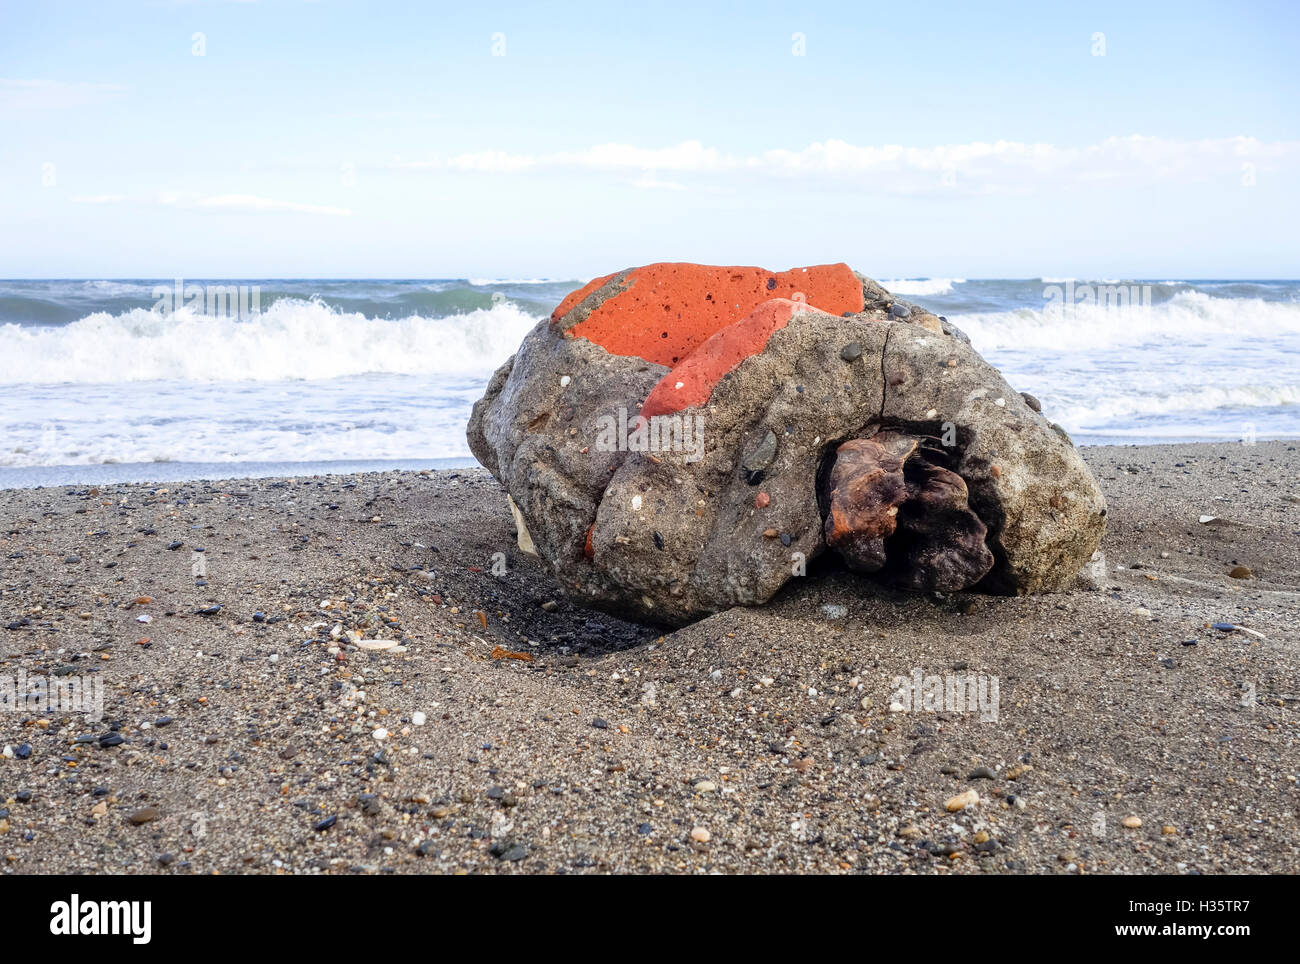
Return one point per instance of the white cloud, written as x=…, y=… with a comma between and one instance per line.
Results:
x=233, y=202
x=980, y=167
x=18, y=94
x=251, y=202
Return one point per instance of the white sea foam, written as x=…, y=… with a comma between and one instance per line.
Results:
x=1186, y=316
x=292, y=339
x=922, y=286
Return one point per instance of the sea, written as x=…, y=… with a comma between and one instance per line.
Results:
x=107, y=381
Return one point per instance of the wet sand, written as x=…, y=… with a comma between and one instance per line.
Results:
x=259, y=739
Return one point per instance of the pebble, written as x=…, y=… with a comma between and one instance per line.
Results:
x=418, y=718
x=380, y=734
x=600, y=724
x=72, y=560
x=982, y=773
x=111, y=739
x=1241, y=572
x=701, y=835
x=900, y=311
x=144, y=815
x=1131, y=822
x=851, y=352
x=326, y=823
x=23, y=751
x=963, y=800
x=705, y=786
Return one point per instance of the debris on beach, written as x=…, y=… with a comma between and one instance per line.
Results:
x=679, y=438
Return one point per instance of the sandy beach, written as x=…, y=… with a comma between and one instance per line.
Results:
x=507, y=730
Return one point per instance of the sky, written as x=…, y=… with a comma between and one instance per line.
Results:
x=494, y=140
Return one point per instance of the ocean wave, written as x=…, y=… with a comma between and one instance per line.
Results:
x=1107, y=409
x=485, y=282
x=291, y=339
x=920, y=287
x=1187, y=315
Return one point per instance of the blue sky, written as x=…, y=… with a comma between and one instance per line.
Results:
x=338, y=139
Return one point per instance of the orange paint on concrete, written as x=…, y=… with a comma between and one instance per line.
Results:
x=669, y=309
x=573, y=297
x=693, y=380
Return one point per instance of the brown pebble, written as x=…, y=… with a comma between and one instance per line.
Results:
x=144, y=815
x=1241, y=572
x=762, y=500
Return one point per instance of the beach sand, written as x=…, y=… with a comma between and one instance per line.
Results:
x=758, y=740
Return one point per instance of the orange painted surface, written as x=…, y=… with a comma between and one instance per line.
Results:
x=693, y=380
x=669, y=309
x=573, y=297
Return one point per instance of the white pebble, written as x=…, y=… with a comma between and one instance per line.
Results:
x=418, y=718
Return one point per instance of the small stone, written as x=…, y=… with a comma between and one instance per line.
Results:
x=1131, y=822
x=762, y=500
x=208, y=611
x=760, y=458
x=705, y=786
x=23, y=751
x=380, y=734
x=900, y=311
x=111, y=739
x=701, y=835
x=512, y=853
x=325, y=824
x=1018, y=771
x=175, y=545
x=1032, y=402
x=963, y=800
x=600, y=724
x=418, y=718
x=550, y=606
x=72, y=560
x=982, y=773
x=165, y=860
x=143, y=816
x=1241, y=572
x=1168, y=829
x=851, y=352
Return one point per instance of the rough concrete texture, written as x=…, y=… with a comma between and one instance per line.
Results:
x=718, y=504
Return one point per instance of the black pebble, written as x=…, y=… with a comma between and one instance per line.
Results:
x=326, y=824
